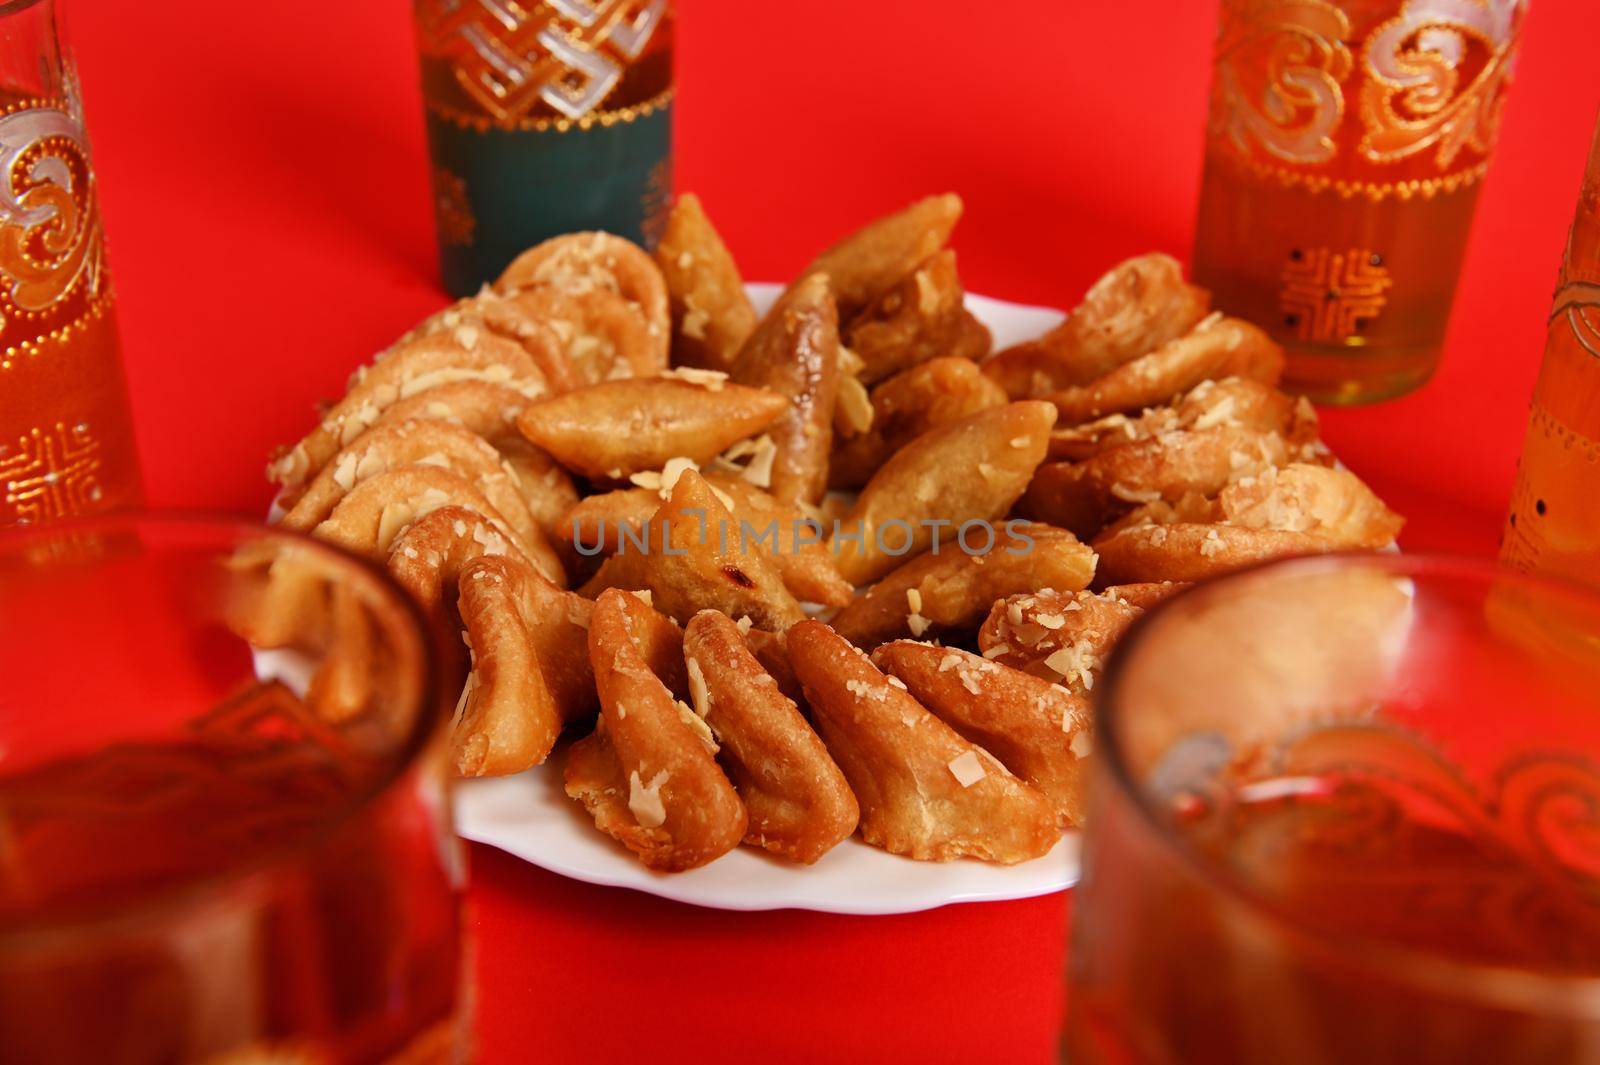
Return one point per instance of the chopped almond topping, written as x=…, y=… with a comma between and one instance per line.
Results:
x=967, y=769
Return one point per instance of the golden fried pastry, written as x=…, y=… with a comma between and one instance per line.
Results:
x=774, y=658
x=910, y=403
x=1298, y=510
x=794, y=353
x=951, y=590
x=771, y=529
x=1234, y=402
x=426, y=559
x=491, y=412
x=924, y=791
x=618, y=428
x=374, y=512
x=709, y=304
x=464, y=354
x=799, y=805
x=970, y=470
x=1137, y=307
x=420, y=442
x=648, y=775
x=1061, y=635
x=489, y=312
x=342, y=685
x=873, y=259
x=603, y=337
x=578, y=263
x=920, y=318
x=972, y=340
x=1038, y=730
x=1088, y=495
x=694, y=562
x=1217, y=347
x=530, y=666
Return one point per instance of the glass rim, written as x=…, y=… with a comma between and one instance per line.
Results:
x=1480, y=983
x=429, y=723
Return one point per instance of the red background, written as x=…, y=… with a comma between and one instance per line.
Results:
x=264, y=182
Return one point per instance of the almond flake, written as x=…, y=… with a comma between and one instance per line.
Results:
x=967, y=769
x=645, y=799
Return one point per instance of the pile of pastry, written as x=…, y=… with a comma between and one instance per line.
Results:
x=826, y=571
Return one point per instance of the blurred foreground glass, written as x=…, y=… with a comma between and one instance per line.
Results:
x=1554, y=520
x=544, y=117
x=66, y=437
x=1346, y=810
x=198, y=865
x=1346, y=148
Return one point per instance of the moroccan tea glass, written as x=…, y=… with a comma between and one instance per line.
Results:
x=66, y=433
x=1346, y=810
x=1345, y=152
x=225, y=827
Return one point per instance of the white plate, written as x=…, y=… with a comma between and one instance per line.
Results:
x=529, y=815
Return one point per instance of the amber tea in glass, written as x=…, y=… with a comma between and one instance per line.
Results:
x=1345, y=810
x=1345, y=153
x=225, y=831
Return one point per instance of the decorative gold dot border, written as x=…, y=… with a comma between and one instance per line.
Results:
x=15, y=354
x=1426, y=188
x=604, y=119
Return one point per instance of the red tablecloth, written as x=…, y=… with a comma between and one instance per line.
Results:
x=265, y=190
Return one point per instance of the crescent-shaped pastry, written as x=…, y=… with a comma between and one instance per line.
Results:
x=1138, y=306
x=918, y=319
x=711, y=310
x=950, y=591
x=1217, y=347
x=1235, y=402
x=924, y=791
x=603, y=336
x=693, y=561
x=874, y=258
x=907, y=405
x=530, y=666
x=491, y=412
x=369, y=517
x=799, y=804
x=502, y=316
x=427, y=558
x=605, y=521
x=427, y=442
x=1038, y=730
x=648, y=775
x=1086, y=496
x=1063, y=636
x=618, y=428
x=972, y=470
x=794, y=353
x=426, y=362
x=582, y=262
x=1297, y=510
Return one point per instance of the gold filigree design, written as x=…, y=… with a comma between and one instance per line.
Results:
x=51, y=473
x=1414, y=98
x=1329, y=295
x=452, y=208
x=603, y=119
x=511, y=57
x=1281, y=66
x=52, y=273
x=1375, y=191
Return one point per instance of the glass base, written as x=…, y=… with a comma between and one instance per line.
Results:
x=1346, y=375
